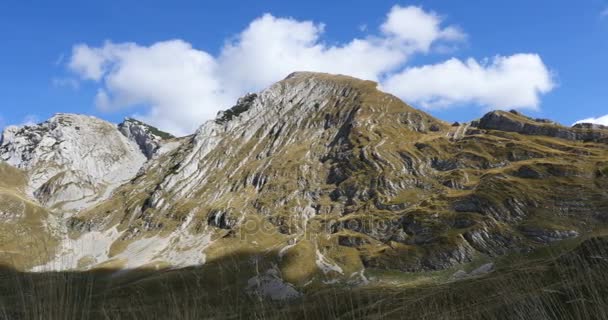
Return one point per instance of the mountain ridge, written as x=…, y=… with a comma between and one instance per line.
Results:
x=337, y=178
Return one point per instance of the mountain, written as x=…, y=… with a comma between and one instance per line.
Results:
x=148, y=138
x=318, y=179
x=69, y=164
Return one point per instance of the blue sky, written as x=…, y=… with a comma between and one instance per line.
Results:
x=98, y=59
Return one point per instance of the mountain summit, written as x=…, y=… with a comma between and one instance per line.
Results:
x=72, y=160
x=318, y=177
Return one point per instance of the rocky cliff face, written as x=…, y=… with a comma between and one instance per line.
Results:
x=72, y=161
x=322, y=177
x=148, y=138
x=516, y=122
x=309, y=152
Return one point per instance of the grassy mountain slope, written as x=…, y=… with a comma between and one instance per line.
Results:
x=561, y=281
x=324, y=190
x=26, y=238
x=335, y=176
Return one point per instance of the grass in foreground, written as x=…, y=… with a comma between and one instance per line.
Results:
x=558, y=283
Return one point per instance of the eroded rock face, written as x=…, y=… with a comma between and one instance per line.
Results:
x=546, y=236
x=72, y=161
x=516, y=122
x=592, y=126
x=148, y=138
x=324, y=176
x=322, y=161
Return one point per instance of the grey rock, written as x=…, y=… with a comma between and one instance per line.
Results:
x=484, y=269
x=460, y=274
x=222, y=219
x=67, y=162
x=546, y=236
x=592, y=126
x=148, y=138
x=270, y=285
x=515, y=122
x=528, y=172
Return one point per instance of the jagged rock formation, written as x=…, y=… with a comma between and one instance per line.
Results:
x=289, y=155
x=592, y=126
x=72, y=161
x=516, y=122
x=148, y=138
x=325, y=177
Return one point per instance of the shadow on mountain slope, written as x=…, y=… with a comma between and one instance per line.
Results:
x=566, y=281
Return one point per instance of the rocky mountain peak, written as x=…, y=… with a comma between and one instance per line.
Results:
x=243, y=104
x=304, y=95
x=341, y=176
x=318, y=179
x=332, y=114
x=147, y=137
x=72, y=160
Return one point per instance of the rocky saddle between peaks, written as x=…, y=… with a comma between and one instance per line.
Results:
x=322, y=176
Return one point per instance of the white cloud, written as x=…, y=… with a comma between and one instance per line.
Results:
x=599, y=120
x=270, y=48
x=88, y=63
x=182, y=86
x=515, y=81
x=178, y=82
x=418, y=28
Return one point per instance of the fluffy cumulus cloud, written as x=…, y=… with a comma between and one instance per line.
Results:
x=418, y=28
x=271, y=48
x=501, y=82
x=600, y=120
x=182, y=86
x=176, y=81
